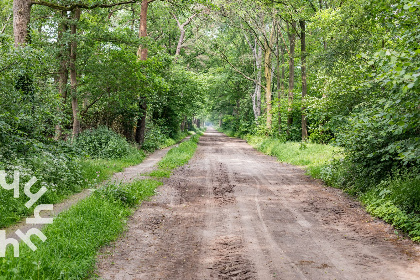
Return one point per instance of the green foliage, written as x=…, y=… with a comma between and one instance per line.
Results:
x=53, y=166
x=397, y=201
x=128, y=195
x=312, y=156
x=156, y=137
x=176, y=157
x=402, y=189
x=103, y=143
x=77, y=234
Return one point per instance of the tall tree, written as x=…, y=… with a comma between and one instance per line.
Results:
x=256, y=96
x=142, y=55
x=303, y=69
x=21, y=19
x=291, y=27
x=73, y=73
x=63, y=72
x=268, y=74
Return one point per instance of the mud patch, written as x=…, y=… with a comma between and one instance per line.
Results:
x=153, y=223
x=222, y=188
x=230, y=262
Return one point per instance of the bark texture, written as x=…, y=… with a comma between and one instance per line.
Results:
x=304, y=84
x=73, y=75
x=268, y=76
x=142, y=55
x=292, y=38
x=21, y=19
x=63, y=70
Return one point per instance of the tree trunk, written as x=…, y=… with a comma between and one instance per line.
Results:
x=181, y=39
x=292, y=37
x=63, y=71
x=142, y=54
x=182, y=30
x=258, y=84
x=268, y=75
x=304, y=84
x=73, y=75
x=281, y=89
x=142, y=51
x=141, y=124
x=256, y=96
x=21, y=18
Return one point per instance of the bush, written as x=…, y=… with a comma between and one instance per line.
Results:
x=155, y=138
x=403, y=190
x=103, y=143
x=55, y=168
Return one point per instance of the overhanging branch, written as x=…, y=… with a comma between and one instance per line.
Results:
x=224, y=57
x=80, y=5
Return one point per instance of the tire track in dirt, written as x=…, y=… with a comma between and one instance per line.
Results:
x=234, y=213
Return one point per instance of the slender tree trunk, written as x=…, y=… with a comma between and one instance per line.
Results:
x=292, y=37
x=73, y=75
x=142, y=51
x=304, y=84
x=21, y=19
x=268, y=75
x=258, y=84
x=142, y=54
x=181, y=39
x=281, y=90
x=256, y=96
x=182, y=30
x=63, y=71
x=141, y=124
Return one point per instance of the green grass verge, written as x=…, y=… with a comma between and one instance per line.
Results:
x=176, y=157
x=76, y=235
x=311, y=156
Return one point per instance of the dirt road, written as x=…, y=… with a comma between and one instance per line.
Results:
x=234, y=213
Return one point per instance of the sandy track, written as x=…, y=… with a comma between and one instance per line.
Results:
x=234, y=213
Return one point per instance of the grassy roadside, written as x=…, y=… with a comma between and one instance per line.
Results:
x=396, y=199
x=176, y=157
x=77, y=234
x=311, y=156
x=64, y=176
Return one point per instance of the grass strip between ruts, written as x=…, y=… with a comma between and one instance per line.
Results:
x=77, y=234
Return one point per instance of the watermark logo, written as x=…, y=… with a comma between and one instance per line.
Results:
x=37, y=219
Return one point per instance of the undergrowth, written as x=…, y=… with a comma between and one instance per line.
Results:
x=176, y=157
x=75, y=236
x=65, y=169
x=309, y=155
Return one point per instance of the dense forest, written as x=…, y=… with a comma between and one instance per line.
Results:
x=85, y=81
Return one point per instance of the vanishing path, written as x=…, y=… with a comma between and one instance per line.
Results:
x=234, y=213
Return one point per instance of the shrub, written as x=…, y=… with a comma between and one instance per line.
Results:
x=103, y=143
